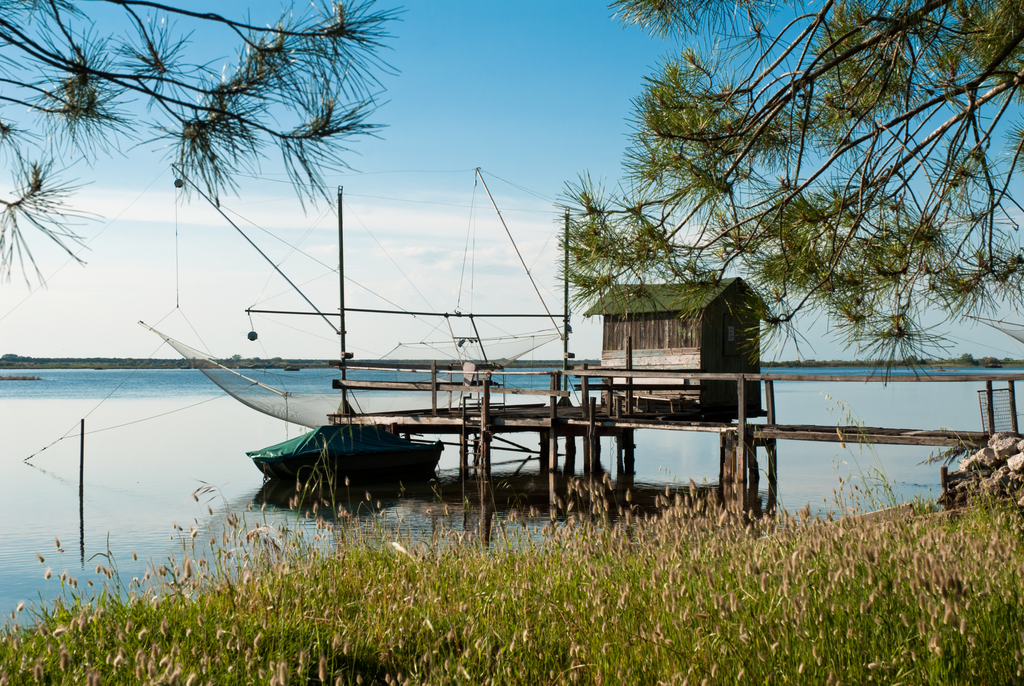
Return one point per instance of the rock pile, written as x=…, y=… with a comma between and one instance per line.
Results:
x=997, y=470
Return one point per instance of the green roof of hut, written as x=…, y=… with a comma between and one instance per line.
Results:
x=659, y=297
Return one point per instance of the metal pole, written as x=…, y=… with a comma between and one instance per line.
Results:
x=433, y=387
x=991, y=412
x=81, y=495
x=585, y=393
x=341, y=296
x=485, y=420
x=463, y=448
x=1012, y=397
x=565, y=304
x=553, y=421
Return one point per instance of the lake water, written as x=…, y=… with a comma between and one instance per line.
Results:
x=156, y=437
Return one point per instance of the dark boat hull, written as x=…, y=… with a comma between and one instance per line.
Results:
x=390, y=466
x=352, y=452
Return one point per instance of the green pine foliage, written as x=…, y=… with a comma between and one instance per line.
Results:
x=82, y=79
x=855, y=159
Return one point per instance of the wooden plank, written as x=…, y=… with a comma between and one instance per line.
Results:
x=733, y=376
x=882, y=439
x=427, y=386
x=680, y=358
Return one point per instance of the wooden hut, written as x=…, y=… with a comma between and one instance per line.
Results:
x=720, y=338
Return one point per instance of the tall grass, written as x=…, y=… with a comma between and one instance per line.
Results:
x=694, y=594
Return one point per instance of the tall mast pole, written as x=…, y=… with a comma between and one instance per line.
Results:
x=341, y=296
x=565, y=303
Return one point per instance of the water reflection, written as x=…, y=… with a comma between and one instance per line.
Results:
x=472, y=506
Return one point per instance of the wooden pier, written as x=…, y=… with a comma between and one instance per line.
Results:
x=614, y=405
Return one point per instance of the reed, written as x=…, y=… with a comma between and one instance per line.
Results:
x=692, y=594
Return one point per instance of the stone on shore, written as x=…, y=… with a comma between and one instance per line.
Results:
x=996, y=470
x=1004, y=447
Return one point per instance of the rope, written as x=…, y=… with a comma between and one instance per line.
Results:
x=162, y=414
x=522, y=188
x=96, y=407
x=388, y=255
x=465, y=252
x=216, y=206
x=518, y=254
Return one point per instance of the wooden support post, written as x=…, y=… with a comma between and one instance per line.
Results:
x=553, y=431
x=991, y=412
x=773, y=476
x=753, y=471
x=570, y=455
x=1012, y=397
x=620, y=448
x=587, y=449
x=592, y=439
x=585, y=393
x=629, y=380
x=944, y=478
x=722, y=459
x=769, y=401
x=606, y=395
x=544, y=449
x=485, y=426
x=552, y=451
x=433, y=387
x=741, y=429
x=630, y=456
x=727, y=458
x=463, y=444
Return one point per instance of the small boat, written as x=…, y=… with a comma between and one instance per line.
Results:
x=292, y=369
x=361, y=453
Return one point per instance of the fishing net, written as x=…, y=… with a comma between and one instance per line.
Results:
x=303, y=407
x=1014, y=330
x=301, y=398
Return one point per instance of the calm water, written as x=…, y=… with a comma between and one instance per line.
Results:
x=155, y=437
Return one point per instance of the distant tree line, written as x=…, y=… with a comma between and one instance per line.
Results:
x=965, y=360
x=11, y=361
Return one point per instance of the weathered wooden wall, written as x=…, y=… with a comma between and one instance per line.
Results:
x=719, y=354
x=651, y=331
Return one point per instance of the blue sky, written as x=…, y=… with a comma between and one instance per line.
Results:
x=534, y=93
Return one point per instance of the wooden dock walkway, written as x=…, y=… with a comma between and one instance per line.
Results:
x=616, y=406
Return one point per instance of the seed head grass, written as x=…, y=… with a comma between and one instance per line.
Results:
x=693, y=593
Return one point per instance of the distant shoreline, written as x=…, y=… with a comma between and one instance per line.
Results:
x=104, y=363
x=21, y=378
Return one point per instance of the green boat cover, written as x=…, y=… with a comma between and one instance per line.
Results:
x=340, y=440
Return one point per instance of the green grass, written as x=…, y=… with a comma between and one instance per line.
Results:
x=696, y=594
